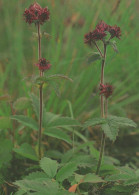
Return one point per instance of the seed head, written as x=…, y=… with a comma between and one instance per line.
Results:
x=43, y=64
x=106, y=90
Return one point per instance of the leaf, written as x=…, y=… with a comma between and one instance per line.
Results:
x=21, y=104
x=57, y=133
x=66, y=171
x=88, y=178
x=95, y=56
x=5, y=122
x=26, y=151
x=93, y=122
x=36, y=176
x=6, y=147
x=49, y=166
x=64, y=121
x=46, y=187
x=26, y=121
x=111, y=130
x=121, y=121
x=114, y=46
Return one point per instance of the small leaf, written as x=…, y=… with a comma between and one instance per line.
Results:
x=57, y=133
x=111, y=130
x=49, y=166
x=26, y=150
x=93, y=122
x=95, y=56
x=66, y=171
x=26, y=121
x=5, y=122
x=114, y=45
x=21, y=104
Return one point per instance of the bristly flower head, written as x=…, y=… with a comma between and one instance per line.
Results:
x=101, y=31
x=35, y=13
x=106, y=90
x=115, y=31
x=43, y=64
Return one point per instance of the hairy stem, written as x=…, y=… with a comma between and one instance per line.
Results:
x=99, y=50
x=41, y=96
x=102, y=112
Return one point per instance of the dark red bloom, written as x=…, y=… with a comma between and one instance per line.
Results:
x=35, y=13
x=43, y=64
x=106, y=90
x=115, y=31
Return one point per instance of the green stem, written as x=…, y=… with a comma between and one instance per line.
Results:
x=102, y=112
x=41, y=96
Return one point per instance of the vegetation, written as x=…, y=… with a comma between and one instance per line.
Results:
x=65, y=159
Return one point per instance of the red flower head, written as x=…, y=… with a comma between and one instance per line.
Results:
x=43, y=64
x=106, y=90
x=35, y=13
x=115, y=31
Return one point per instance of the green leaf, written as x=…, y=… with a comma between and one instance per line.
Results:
x=66, y=171
x=121, y=121
x=6, y=147
x=64, y=121
x=26, y=121
x=93, y=57
x=114, y=45
x=5, y=122
x=57, y=133
x=26, y=151
x=49, y=166
x=21, y=104
x=5, y=98
x=111, y=130
x=94, y=121
x=36, y=176
x=35, y=104
x=46, y=187
x=88, y=178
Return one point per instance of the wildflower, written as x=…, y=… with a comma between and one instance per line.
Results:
x=106, y=90
x=43, y=64
x=35, y=13
x=115, y=31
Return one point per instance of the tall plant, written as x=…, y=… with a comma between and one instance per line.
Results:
x=105, y=33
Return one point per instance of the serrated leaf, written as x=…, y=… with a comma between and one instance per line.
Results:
x=36, y=176
x=93, y=122
x=26, y=121
x=57, y=133
x=5, y=122
x=49, y=166
x=35, y=104
x=88, y=178
x=114, y=46
x=66, y=171
x=111, y=130
x=93, y=57
x=37, y=187
x=26, y=151
x=64, y=121
x=121, y=121
x=21, y=104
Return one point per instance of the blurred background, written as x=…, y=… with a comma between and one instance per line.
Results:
x=65, y=49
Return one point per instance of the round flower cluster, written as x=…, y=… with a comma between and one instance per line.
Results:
x=106, y=90
x=35, y=13
x=101, y=31
x=43, y=64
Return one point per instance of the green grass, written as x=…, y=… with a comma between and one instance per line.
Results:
x=67, y=54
